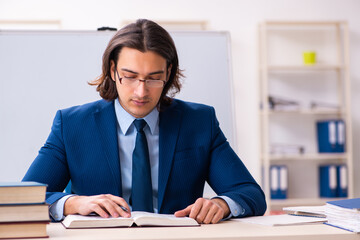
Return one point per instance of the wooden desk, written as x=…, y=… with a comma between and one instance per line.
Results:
x=225, y=230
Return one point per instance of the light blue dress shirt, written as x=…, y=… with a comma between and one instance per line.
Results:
x=126, y=141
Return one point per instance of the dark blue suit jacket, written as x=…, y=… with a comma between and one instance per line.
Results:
x=83, y=147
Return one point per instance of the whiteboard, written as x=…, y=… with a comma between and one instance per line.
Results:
x=43, y=71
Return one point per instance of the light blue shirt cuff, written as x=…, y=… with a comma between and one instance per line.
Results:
x=235, y=208
x=56, y=209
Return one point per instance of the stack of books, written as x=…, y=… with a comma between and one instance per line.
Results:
x=23, y=211
x=344, y=214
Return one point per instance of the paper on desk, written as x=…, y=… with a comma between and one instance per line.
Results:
x=281, y=220
x=311, y=211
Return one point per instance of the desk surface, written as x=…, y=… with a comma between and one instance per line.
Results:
x=226, y=230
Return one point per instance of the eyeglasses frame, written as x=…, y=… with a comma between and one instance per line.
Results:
x=140, y=80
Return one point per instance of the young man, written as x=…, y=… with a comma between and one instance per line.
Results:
x=139, y=148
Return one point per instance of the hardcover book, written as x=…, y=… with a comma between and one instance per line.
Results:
x=23, y=230
x=22, y=192
x=24, y=212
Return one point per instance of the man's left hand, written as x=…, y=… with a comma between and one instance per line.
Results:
x=206, y=210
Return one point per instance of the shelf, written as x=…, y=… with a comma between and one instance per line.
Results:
x=308, y=157
x=304, y=112
x=280, y=203
x=316, y=67
x=303, y=23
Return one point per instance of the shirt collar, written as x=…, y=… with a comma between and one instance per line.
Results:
x=125, y=119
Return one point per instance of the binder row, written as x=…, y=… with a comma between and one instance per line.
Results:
x=278, y=181
x=331, y=136
x=333, y=180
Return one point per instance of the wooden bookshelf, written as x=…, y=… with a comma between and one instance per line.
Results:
x=282, y=62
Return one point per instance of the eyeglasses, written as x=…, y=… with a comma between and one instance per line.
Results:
x=133, y=82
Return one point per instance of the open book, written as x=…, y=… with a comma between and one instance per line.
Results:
x=137, y=218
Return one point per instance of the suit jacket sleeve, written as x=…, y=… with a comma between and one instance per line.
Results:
x=50, y=166
x=228, y=176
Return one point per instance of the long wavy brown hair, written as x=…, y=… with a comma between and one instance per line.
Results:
x=143, y=35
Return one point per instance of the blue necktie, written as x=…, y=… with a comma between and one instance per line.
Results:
x=141, y=189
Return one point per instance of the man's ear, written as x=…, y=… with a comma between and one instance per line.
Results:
x=168, y=72
x=112, y=70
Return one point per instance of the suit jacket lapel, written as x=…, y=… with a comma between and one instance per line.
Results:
x=105, y=119
x=169, y=129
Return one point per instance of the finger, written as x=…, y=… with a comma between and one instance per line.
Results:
x=196, y=209
x=109, y=206
x=184, y=212
x=223, y=205
x=86, y=207
x=120, y=204
x=101, y=212
x=204, y=209
x=211, y=213
x=217, y=217
x=122, y=211
x=119, y=200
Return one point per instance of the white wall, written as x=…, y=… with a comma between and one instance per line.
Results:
x=240, y=17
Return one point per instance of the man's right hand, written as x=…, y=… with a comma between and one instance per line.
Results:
x=105, y=205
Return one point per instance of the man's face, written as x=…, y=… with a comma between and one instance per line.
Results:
x=140, y=99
